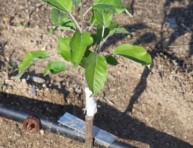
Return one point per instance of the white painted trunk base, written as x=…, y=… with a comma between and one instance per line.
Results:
x=91, y=103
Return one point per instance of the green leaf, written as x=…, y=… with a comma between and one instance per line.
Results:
x=79, y=43
x=61, y=20
x=111, y=60
x=60, y=28
x=54, y=67
x=57, y=17
x=119, y=30
x=133, y=52
x=96, y=72
x=30, y=57
x=102, y=18
x=114, y=28
x=111, y=5
x=63, y=48
x=83, y=62
x=63, y=5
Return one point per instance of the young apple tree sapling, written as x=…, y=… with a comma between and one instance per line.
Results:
x=84, y=46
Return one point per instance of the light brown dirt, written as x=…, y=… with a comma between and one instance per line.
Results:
x=143, y=107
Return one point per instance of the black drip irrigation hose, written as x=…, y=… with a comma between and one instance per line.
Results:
x=53, y=126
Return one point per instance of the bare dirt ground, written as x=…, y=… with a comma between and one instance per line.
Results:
x=145, y=108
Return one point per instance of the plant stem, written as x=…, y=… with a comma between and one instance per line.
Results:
x=81, y=16
x=103, y=31
x=98, y=48
x=91, y=26
x=128, y=13
x=77, y=25
x=87, y=11
x=102, y=43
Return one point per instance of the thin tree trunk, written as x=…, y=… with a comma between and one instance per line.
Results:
x=89, y=132
x=91, y=109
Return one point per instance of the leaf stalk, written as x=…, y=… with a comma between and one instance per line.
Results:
x=76, y=23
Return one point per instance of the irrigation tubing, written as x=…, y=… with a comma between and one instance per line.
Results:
x=53, y=126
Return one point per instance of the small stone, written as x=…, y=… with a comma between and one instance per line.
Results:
x=42, y=132
x=44, y=85
x=23, y=80
x=36, y=79
x=78, y=90
x=128, y=113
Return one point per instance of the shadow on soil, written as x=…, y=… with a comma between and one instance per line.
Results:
x=2, y=45
x=132, y=128
x=108, y=118
x=182, y=18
